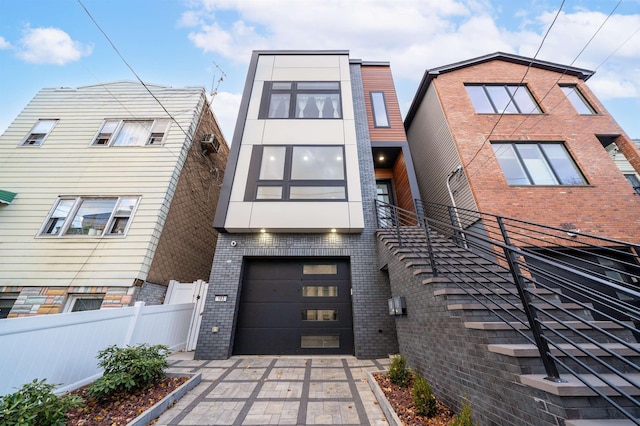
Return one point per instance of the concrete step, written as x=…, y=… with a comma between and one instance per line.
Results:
x=601, y=422
x=483, y=291
x=506, y=306
x=578, y=325
x=531, y=351
x=575, y=387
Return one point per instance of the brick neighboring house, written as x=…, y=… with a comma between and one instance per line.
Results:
x=542, y=160
x=319, y=137
x=105, y=197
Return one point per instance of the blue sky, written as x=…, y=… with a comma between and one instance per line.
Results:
x=178, y=43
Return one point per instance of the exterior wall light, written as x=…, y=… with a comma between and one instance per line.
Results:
x=262, y=231
x=333, y=230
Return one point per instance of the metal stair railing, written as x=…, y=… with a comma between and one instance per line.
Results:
x=553, y=286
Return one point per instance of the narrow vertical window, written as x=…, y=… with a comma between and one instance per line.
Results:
x=379, y=107
x=577, y=100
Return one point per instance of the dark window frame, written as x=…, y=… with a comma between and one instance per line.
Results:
x=512, y=102
x=384, y=106
x=584, y=102
x=550, y=165
x=293, y=91
x=633, y=180
x=254, y=182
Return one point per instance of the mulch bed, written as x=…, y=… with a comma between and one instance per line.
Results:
x=121, y=408
x=402, y=402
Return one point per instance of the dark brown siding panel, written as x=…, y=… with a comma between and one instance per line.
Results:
x=401, y=180
x=379, y=79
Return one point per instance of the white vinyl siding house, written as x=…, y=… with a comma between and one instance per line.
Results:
x=67, y=165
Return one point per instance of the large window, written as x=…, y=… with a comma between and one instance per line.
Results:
x=634, y=181
x=90, y=216
x=131, y=132
x=39, y=133
x=578, y=100
x=537, y=164
x=297, y=173
x=502, y=99
x=379, y=107
x=302, y=99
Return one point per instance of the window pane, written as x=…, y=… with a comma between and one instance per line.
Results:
x=379, y=109
x=511, y=167
x=501, y=99
x=319, y=342
x=279, y=105
x=125, y=206
x=269, y=193
x=320, y=291
x=91, y=217
x=318, y=85
x=133, y=133
x=318, y=105
x=43, y=126
x=278, y=85
x=272, y=166
x=523, y=99
x=578, y=101
x=86, y=305
x=479, y=99
x=56, y=221
x=536, y=165
x=566, y=170
x=317, y=193
x=320, y=315
x=329, y=269
x=317, y=163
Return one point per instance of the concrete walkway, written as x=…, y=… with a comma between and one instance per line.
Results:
x=277, y=390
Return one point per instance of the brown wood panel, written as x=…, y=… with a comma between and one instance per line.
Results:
x=377, y=78
x=404, y=200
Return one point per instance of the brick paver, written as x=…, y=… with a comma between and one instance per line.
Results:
x=278, y=390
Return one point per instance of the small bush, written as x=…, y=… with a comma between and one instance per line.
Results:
x=423, y=397
x=398, y=372
x=130, y=368
x=464, y=418
x=35, y=404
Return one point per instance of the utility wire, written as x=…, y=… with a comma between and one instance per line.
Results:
x=131, y=68
x=519, y=85
x=493, y=158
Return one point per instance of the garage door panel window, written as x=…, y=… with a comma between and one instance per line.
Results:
x=316, y=269
x=297, y=173
x=319, y=291
x=320, y=315
x=318, y=342
x=537, y=164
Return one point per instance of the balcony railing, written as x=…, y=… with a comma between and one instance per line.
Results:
x=575, y=296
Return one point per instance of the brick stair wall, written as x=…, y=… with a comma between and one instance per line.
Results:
x=447, y=337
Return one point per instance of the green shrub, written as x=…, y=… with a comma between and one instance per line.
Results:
x=398, y=372
x=464, y=418
x=423, y=397
x=130, y=368
x=35, y=404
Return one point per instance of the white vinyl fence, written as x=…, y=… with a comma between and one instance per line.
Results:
x=62, y=348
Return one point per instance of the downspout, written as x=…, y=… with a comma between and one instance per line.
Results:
x=453, y=203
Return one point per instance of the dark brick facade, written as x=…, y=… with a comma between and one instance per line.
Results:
x=374, y=329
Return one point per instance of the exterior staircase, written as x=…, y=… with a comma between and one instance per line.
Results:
x=466, y=331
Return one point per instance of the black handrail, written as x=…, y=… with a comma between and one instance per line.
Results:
x=552, y=272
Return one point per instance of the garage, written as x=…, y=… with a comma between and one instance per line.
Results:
x=295, y=307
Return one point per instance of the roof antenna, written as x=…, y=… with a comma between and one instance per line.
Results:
x=216, y=84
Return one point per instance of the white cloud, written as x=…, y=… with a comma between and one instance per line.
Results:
x=50, y=46
x=4, y=44
x=226, y=106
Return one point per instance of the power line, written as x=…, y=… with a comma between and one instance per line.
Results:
x=519, y=85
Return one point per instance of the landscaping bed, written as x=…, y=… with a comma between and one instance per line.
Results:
x=401, y=400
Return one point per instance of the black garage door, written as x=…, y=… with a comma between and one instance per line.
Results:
x=295, y=307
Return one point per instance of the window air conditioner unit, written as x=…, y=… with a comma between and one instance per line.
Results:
x=210, y=142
